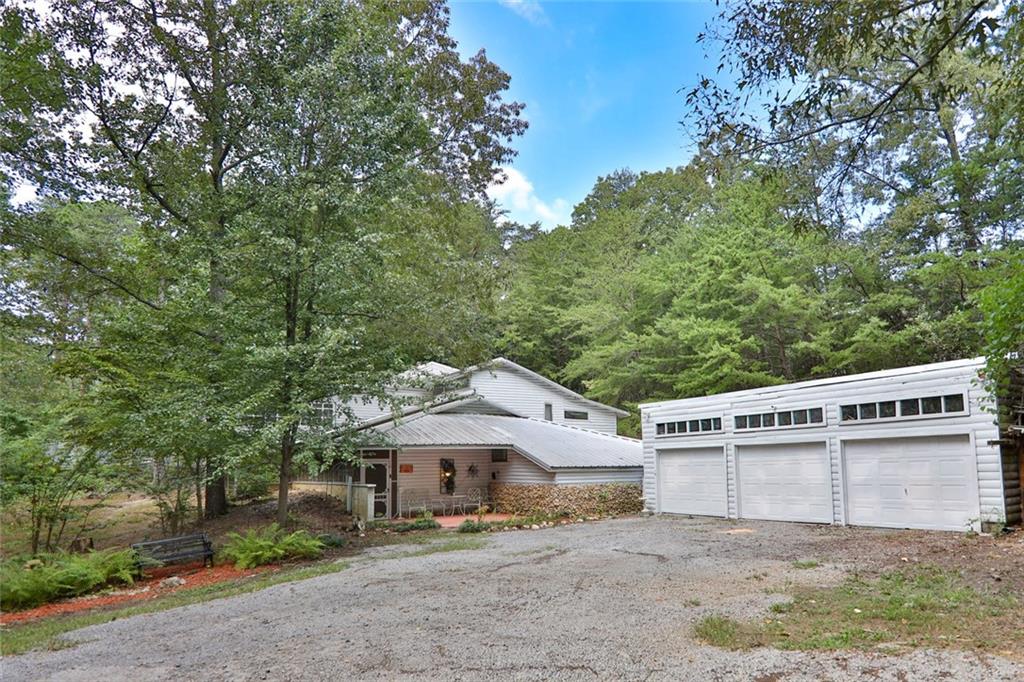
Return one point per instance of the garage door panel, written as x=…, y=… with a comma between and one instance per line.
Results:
x=918, y=482
x=692, y=481
x=785, y=482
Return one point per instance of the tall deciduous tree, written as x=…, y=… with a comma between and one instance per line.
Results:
x=269, y=151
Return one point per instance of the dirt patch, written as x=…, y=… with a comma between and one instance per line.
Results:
x=986, y=563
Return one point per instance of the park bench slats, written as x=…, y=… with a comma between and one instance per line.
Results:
x=174, y=550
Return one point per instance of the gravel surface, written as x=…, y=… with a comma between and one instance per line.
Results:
x=604, y=600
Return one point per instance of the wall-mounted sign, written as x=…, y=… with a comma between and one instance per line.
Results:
x=405, y=468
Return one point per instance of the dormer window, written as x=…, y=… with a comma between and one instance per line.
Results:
x=576, y=414
x=548, y=413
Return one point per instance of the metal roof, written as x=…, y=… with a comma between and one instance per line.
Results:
x=552, y=446
x=827, y=381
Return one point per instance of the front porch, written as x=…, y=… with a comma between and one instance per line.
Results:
x=452, y=482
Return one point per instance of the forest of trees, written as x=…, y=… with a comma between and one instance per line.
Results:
x=245, y=207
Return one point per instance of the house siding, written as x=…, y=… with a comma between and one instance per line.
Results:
x=525, y=397
x=595, y=476
x=979, y=424
x=365, y=407
x=426, y=473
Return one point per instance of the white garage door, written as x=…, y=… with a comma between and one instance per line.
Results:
x=692, y=481
x=911, y=483
x=784, y=482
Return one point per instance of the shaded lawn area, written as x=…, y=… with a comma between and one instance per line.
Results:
x=919, y=607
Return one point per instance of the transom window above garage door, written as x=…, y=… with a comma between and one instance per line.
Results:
x=784, y=419
x=689, y=427
x=904, y=408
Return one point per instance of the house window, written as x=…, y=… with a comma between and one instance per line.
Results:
x=909, y=408
x=781, y=420
x=548, y=413
x=576, y=414
x=905, y=408
x=693, y=426
x=499, y=455
x=954, y=403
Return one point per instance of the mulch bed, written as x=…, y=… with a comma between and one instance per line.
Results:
x=145, y=589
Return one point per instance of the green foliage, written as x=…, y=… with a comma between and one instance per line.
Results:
x=669, y=286
x=49, y=577
x=269, y=545
x=720, y=631
x=471, y=526
x=332, y=540
x=424, y=522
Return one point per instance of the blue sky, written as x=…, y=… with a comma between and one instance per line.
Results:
x=604, y=86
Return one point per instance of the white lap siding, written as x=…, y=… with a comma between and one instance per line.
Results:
x=426, y=474
x=977, y=425
x=520, y=395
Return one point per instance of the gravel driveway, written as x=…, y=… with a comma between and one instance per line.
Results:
x=605, y=600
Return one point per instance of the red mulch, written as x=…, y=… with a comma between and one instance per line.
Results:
x=144, y=589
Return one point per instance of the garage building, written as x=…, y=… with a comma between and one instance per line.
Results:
x=915, y=447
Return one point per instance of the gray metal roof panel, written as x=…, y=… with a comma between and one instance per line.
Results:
x=554, y=446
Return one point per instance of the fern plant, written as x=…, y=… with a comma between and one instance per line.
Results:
x=49, y=577
x=271, y=544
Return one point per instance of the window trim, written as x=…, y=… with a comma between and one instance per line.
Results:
x=781, y=427
x=585, y=417
x=900, y=417
x=549, y=412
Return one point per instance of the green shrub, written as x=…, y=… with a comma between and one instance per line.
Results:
x=271, y=544
x=50, y=577
x=332, y=540
x=422, y=523
x=471, y=526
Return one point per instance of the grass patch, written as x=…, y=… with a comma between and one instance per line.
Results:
x=45, y=634
x=926, y=607
x=804, y=565
x=723, y=632
x=458, y=544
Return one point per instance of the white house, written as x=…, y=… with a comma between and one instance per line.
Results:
x=496, y=428
x=916, y=447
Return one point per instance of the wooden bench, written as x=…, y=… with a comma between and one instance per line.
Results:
x=176, y=550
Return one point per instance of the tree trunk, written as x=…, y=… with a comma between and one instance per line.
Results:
x=216, y=488
x=199, y=491
x=284, y=476
x=217, y=497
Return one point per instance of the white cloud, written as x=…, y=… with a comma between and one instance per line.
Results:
x=529, y=10
x=517, y=195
